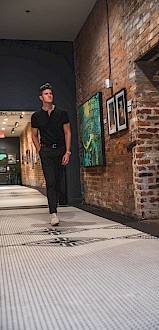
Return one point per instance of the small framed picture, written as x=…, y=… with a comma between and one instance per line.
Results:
x=28, y=156
x=12, y=159
x=121, y=111
x=3, y=169
x=23, y=159
x=111, y=115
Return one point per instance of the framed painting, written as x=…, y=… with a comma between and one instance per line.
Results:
x=3, y=158
x=28, y=156
x=12, y=159
x=121, y=111
x=3, y=162
x=23, y=159
x=92, y=131
x=3, y=169
x=33, y=155
x=111, y=111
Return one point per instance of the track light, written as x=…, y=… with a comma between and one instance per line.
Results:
x=16, y=124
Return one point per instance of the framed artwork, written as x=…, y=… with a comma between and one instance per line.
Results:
x=23, y=159
x=3, y=158
x=3, y=162
x=121, y=111
x=33, y=156
x=12, y=159
x=3, y=169
x=27, y=156
x=92, y=131
x=111, y=115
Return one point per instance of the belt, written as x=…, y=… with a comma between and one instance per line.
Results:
x=54, y=145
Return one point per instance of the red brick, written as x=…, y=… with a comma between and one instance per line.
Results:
x=129, y=39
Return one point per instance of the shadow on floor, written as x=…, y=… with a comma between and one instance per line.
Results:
x=147, y=226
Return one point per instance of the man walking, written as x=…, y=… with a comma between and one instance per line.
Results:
x=52, y=124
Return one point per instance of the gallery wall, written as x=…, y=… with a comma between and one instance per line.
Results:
x=108, y=48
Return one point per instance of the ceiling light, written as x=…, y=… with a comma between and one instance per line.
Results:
x=21, y=116
x=16, y=124
x=4, y=122
x=5, y=119
x=3, y=128
x=12, y=131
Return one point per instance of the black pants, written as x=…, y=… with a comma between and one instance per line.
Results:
x=53, y=171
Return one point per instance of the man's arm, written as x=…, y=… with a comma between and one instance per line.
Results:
x=67, y=132
x=35, y=138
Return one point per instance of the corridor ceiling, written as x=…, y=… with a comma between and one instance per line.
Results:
x=13, y=123
x=49, y=20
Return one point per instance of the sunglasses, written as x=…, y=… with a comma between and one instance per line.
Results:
x=45, y=86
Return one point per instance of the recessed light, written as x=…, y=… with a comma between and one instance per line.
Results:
x=5, y=119
x=4, y=122
x=3, y=128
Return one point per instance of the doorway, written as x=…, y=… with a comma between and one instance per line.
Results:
x=146, y=158
x=12, y=124
x=19, y=161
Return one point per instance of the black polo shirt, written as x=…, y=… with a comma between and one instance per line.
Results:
x=50, y=127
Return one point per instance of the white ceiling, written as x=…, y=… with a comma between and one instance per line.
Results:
x=51, y=20
x=11, y=118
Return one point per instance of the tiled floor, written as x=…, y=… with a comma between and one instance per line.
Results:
x=88, y=273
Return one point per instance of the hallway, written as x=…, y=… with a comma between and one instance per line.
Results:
x=88, y=273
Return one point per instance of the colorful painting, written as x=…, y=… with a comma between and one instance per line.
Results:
x=3, y=163
x=91, y=131
x=3, y=158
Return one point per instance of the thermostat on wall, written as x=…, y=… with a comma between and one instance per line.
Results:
x=129, y=105
x=108, y=83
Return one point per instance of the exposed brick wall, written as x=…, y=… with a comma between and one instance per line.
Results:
x=134, y=27
x=32, y=174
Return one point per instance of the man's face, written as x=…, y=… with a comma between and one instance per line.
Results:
x=47, y=96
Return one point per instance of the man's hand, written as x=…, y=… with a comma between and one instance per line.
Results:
x=65, y=159
x=35, y=138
